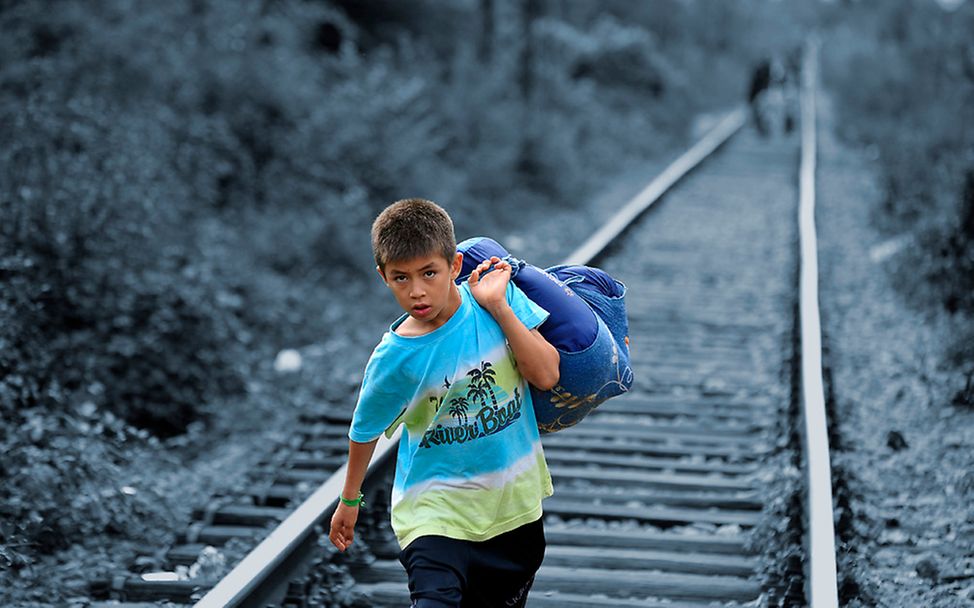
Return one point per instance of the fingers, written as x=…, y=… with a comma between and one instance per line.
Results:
x=500, y=264
x=342, y=540
x=341, y=535
x=483, y=267
x=337, y=539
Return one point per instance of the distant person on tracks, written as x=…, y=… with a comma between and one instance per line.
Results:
x=760, y=81
x=454, y=371
x=773, y=94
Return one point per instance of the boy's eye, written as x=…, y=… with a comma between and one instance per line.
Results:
x=429, y=274
x=399, y=278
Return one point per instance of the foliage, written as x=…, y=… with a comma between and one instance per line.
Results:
x=907, y=88
x=903, y=73
x=96, y=271
x=60, y=487
x=588, y=80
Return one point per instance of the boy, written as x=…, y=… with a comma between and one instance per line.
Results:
x=471, y=473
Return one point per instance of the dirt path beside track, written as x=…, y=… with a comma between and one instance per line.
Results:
x=904, y=453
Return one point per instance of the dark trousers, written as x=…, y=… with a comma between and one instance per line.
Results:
x=449, y=573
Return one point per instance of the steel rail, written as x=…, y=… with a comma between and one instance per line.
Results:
x=821, y=589
x=241, y=585
x=707, y=145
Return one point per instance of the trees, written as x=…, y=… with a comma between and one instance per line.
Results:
x=904, y=75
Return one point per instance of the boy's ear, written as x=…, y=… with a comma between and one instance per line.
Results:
x=456, y=266
x=381, y=274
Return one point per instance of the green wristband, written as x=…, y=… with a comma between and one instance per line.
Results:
x=355, y=502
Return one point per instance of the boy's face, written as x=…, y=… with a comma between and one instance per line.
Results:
x=424, y=288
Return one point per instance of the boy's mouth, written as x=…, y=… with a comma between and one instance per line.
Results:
x=421, y=310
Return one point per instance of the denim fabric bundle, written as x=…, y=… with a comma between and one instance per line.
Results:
x=587, y=324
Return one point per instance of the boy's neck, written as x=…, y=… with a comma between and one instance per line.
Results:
x=412, y=328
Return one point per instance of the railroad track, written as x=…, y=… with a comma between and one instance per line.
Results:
x=674, y=495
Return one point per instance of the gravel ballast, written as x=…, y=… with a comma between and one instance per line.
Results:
x=904, y=467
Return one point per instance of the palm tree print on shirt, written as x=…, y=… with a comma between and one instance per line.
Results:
x=482, y=382
x=436, y=401
x=458, y=409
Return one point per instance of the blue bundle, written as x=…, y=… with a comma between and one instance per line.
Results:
x=587, y=324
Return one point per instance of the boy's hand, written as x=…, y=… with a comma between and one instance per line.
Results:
x=343, y=526
x=490, y=289
x=537, y=359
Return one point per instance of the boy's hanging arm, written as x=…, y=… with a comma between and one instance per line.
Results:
x=537, y=360
x=342, y=532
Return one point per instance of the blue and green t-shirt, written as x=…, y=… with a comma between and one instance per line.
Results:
x=470, y=463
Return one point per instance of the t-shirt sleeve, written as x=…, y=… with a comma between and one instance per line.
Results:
x=524, y=308
x=382, y=397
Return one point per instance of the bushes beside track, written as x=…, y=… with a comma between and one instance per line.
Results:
x=903, y=74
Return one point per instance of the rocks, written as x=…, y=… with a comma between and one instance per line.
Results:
x=895, y=537
x=896, y=441
x=287, y=360
x=927, y=568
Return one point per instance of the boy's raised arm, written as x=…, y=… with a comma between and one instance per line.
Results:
x=342, y=531
x=537, y=360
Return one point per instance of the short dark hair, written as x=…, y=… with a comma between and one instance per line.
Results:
x=411, y=228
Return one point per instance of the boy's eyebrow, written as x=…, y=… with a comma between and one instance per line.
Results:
x=429, y=265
